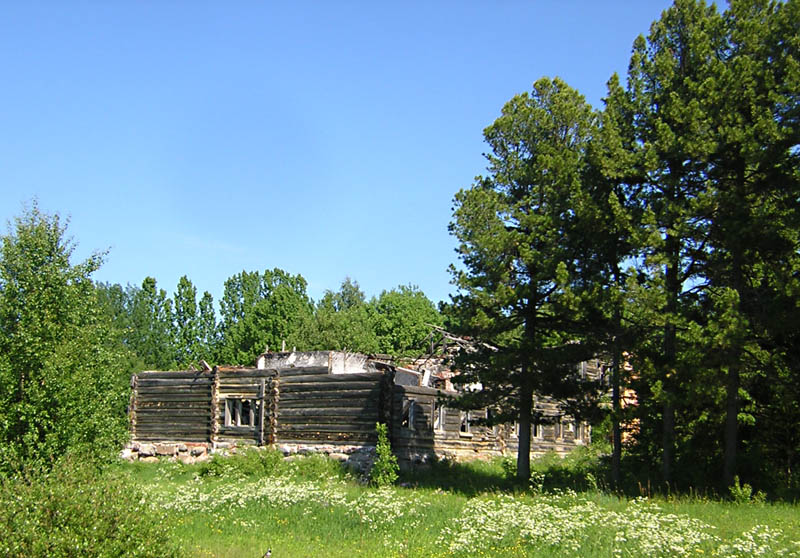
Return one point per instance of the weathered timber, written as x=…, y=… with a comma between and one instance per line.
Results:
x=159, y=404
x=173, y=375
x=178, y=437
x=342, y=423
x=419, y=390
x=262, y=394
x=290, y=372
x=170, y=411
x=326, y=428
x=328, y=411
x=242, y=380
x=151, y=415
x=251, y=391
x=147, y=382
x=133, y=404
x=333, y=378
x=175, y=390
x=173, y=398
x=364, y=393
x=274, y=401
x=328, y=387
x=316, y=402
x=247, y=372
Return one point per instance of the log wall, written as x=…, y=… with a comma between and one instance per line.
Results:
x=172, y=406
x=309, y=405
x=319, y=407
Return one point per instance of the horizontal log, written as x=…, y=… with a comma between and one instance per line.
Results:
x=341, y=423
x=147, y=382
x=175, y=398
x=328, y=386
x=172, y=422
x=327, y=412
x=419, y=390
x=409, y=434
x=352, y=393
x=199, y=413
x=154, y=395
x=173, y=375
x=175, y=390
x=174, y=434
x=244, y=390
x=242, y=381
x=326, y=428
x=246, y=373
x=169, y=439
x=238, y=432
x=332, y=378
x=418, y=443
x=304, y=437
x=316, y=402
x=204, y=404
x=289, y=372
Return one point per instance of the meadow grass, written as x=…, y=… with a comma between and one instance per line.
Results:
x=311, y=507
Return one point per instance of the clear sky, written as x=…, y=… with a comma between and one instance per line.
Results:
x=323, y=138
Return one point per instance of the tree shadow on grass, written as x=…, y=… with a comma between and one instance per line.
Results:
x=581, y=471
x=466, y=478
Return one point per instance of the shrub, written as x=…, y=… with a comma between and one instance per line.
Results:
x=384, y=470
x=743, y=493
x=75, y=509
x=249, y=462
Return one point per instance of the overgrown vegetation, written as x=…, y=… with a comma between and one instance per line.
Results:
x=384, y=469
x=662, y=232
x=78, y=509
x=452, y=510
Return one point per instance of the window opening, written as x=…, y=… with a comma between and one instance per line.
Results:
x=240, y=412
x=438, y=416
x=409, y=414
x=465, y=426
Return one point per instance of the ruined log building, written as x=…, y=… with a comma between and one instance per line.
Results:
x=324, y=401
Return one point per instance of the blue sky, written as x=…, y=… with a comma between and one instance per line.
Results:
x=323, y=138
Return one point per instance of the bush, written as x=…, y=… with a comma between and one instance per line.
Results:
x=384, y=470
x=250, y=462
x=76, y=509
x=743, y=493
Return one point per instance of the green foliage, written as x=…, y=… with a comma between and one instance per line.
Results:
x=343, y=320
x=263, y=309
x=247, y=463
x=384, y=470
x=527, y=280
x=63, y=371
x=743, y=493
x=463, y=509
x=403, y=319
x=151, y=330
x=77, y=510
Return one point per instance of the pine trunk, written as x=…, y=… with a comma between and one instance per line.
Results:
x=525, y=414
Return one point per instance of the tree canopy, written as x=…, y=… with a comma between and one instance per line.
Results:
x=662, y=228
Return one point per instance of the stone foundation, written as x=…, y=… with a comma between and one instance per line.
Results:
x=359, y=458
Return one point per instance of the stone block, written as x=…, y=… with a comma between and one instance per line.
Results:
x=149, y=459
x=147, y=450
x=165, y=449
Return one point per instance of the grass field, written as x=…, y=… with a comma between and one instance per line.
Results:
x=240, y=507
